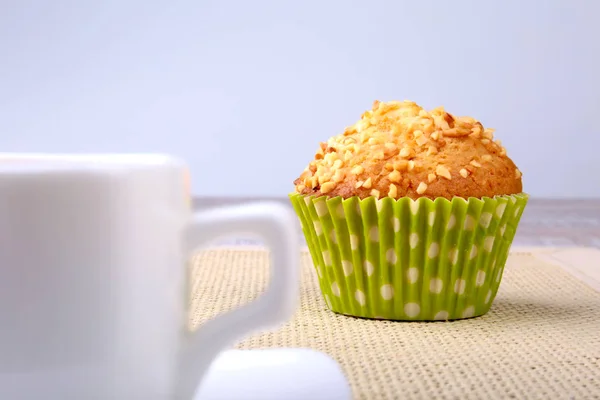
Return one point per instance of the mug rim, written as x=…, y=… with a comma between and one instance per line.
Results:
x=39, y=162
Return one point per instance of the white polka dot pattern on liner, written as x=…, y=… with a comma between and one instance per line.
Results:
x=391, y=257
x=488, y=243
x=327, y=301
x=347, y=267
x=412, y=275
x=318, y=227
x=485, y=219
x=480, y=279
x=333, y=236
x=434, y=250
x=396, y=223
x=500, y=210
x=473, y=252
x=326, y=258
x=499, y=275
x=431, y=217
x=436, y=285
x=453, y=256
x=354, y=242
x=488, y=296
x=451, y=222
x=340, y=211
x=412, y=309
x=502, y=229
x=368, y=267
x=387, y=291
x=459, y=286
x=517, y=209
x=413, y=240
x=321, y=208
x=374, y=234
x=360, y=297
x=307, y=200
x=469, y=223
x=414, y=207
x=378, y=204
x=441, y=316
x=335, y=289
x=468, y=312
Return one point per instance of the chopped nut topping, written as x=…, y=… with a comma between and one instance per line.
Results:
x=441, y=170
x=421, y=140
x=379, y=155
x=394, y=137
x=401, y=165
x=518, y=174
x=457, y=132
x=393, y=191
x=394, y=176
x=432, y=150
x=323, y=178
x=375, y=193
x=330, y=157
x=405, y=152
x=357, y=169
x=391, y=147
x=488, y=133
x=327, y=187
x=338, y=176
x=349, y=131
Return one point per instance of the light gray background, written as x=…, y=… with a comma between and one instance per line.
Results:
x=244, y=90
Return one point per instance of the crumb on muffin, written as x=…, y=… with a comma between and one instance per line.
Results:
x=398, y=149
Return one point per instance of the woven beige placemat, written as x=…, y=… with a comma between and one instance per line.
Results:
x=541, y=340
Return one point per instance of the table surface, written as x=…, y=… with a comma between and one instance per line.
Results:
x=545, y=222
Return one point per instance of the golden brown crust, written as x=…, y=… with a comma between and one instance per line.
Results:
x=399, y=149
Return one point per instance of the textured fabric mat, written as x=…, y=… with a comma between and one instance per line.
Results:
x=541, y=339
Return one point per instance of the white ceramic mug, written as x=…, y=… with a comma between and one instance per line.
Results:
x=93, y=277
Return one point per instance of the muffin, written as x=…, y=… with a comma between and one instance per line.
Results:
x=409, y=214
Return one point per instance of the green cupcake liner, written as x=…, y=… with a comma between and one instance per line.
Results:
x=409, y=260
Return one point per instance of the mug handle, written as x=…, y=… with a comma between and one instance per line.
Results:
x=276, y=225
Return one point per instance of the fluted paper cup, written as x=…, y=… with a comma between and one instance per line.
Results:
x=409, y=260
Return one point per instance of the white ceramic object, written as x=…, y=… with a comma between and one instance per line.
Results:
x=93, y=282
x=274, y=374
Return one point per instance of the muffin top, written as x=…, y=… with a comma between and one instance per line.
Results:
x=398, y=149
